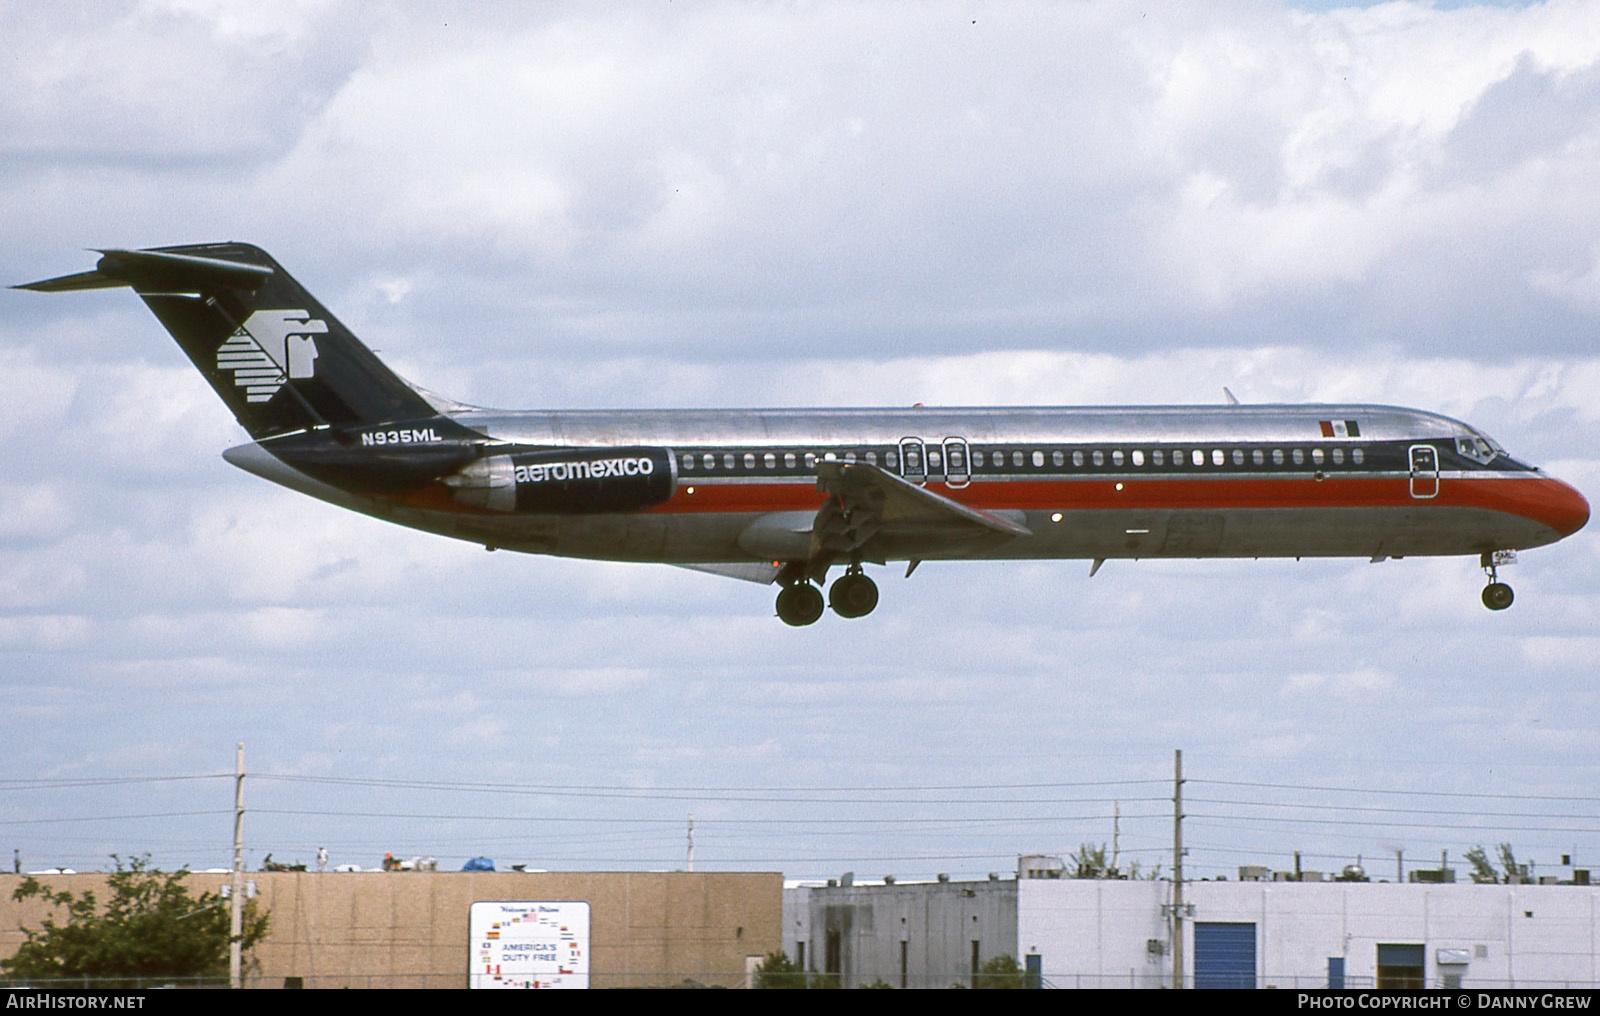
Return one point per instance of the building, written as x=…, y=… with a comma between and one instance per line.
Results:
x=409, y=929
x=1069, y=933
x=1097, y=933
x=905, y=935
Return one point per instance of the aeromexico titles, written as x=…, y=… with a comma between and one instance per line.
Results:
x=786, y=496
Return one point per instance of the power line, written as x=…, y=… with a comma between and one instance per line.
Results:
x=1408, y=793
x=600, y=789
x=99, y=781
x=1379, y=808
x=110, y=818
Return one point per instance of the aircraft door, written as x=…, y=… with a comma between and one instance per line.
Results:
x=1424, y=471
x=956, y=471
x=913, y=460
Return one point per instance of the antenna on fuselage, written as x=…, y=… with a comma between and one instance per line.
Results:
x=1233, y=400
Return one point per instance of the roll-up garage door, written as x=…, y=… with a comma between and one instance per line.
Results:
x=1224, y=955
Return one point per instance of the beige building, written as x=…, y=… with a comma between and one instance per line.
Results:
x=409, y=929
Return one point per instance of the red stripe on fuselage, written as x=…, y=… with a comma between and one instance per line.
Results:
x=1539, y=498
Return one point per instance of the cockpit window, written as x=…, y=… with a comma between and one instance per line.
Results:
x=1477, y=449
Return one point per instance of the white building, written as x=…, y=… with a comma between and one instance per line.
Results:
x=1312, y=934
x=1117, y=933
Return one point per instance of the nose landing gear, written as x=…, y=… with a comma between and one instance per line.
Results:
x=1497, y=595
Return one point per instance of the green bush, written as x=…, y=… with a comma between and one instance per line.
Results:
x=1000, y=972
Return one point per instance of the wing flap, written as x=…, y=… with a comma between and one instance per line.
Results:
x=869, y=503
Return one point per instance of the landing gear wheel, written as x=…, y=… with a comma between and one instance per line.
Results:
x=800, y=604
x=1497, y=596
x=853, y=595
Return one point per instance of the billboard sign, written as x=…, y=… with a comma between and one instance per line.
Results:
x=529, y=944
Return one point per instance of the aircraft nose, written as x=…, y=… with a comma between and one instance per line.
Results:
x=1559, y=506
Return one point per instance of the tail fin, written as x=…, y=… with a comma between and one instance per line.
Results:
x=274, y=354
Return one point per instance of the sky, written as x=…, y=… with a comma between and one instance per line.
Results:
x=811, y=204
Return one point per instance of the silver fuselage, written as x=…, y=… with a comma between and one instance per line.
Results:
x=1095, y=482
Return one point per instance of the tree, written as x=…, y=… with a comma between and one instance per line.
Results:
x=151, y=930
x=1514, y=872
x=777, y=970
x=1000, y=972
x=1483, y=871
x=1137, y=873
x=1090, y=862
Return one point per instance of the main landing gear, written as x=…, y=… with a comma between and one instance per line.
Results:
x=1497, y=595
x=853, y=594
x=800, y=602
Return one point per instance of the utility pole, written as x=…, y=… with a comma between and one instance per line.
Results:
x=236, y=893
x=691, y=841
x=1116, y=831
x=1177, y=869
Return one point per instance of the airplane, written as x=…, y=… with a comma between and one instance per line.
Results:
x=784, y=496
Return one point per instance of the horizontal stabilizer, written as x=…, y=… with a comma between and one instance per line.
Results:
x=150, y=270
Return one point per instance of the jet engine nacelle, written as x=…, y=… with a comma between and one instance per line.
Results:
x=567, y=481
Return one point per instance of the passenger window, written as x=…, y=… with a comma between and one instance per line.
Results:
x=769, y=460
x=1099, y=458
x=1357, y=456
x=1238, y=456
x=1277, y=456
x=1217, y=457
x=1116, y=457
x=1198, y=458
x=891, y=459
x=1158, y=457
x=1338, y=456
x=727, y=460
x=1077, y=459
x=811, y=460
x=749, y=460
x=1057, y=459
x=1316, y=456
x=872, y=458
x=688, y=462
x=788, y=460
x=1299, y=457
x=933, y=458
x=710, y=462
x=1038, y=459
x=1138, y=457
x=1258, y=457
x=1016, y=458
x=850, y=458
x=1177, y=456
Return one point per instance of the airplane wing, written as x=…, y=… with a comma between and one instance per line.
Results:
x=879, y=515
x=759, y=572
